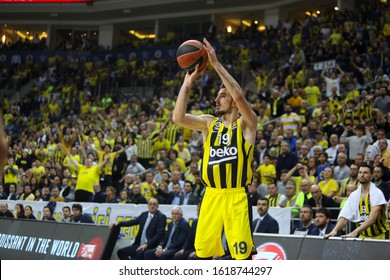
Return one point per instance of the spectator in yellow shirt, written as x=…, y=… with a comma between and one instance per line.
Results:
x=267, y=171
x=328, y=186
x=87, y=176
x=312, y=93
x=148, y=188
x=10, y=174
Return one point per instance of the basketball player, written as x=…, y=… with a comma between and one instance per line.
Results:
x=366, y=207
x=228, y=150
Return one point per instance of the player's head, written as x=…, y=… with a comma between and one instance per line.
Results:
x=224, y=103
x=262, y=206
x=365, y=173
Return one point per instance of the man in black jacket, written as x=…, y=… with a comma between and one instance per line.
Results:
x=174, y=238
x=188, y=250
x=319, y=200
x=265, y=223
x=189, y=197
x=4, y=212
x=151, y=232
x=322, y=222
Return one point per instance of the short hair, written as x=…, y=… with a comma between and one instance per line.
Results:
x=174, y=152
x=359, y=127
x=318, y=147
x=324, y=211
x=178, y=209
x=189, y=182
x=360, y=155
x=308, y=206
x=284, y=171
x=50, y=209
x=65, y=207
x=77, y=206
x=380, y=168
x=366, y=166
x=289, y=182
x=263, y=198
x=323, y=154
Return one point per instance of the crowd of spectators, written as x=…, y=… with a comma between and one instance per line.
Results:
x=315, y=127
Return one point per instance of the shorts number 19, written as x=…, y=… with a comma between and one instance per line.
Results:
x=241, y=247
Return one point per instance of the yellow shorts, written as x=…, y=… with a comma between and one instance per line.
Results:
x=224, y=209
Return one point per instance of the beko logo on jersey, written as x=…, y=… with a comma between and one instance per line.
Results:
x=223, y=152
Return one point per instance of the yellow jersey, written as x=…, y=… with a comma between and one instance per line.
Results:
x=87, y=177
x=379, y=228
x=227, y=156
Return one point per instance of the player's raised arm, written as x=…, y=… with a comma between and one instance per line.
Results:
x=180, y=117
x=234, y=89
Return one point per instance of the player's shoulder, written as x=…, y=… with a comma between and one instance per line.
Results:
x=207, y=118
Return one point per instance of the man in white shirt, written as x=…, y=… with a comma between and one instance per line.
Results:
x=342, y=171
x=332, y=81
x=332, y=150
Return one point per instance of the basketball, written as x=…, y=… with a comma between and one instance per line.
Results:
x=191, y=53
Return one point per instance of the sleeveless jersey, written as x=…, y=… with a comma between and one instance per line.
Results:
x=227, y=157
x=379, y=228
x=352, y=117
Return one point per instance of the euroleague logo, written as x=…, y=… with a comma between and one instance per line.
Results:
x=93, y=250
x=270, y=251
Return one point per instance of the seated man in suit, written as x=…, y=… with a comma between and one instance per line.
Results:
x=188, y=250
x=152, y=228
x=189, y=197
x=322, y=223
x=318, y=200
x=264, y=224
x=174, y=238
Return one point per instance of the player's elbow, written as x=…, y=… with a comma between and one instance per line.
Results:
x=177, y=119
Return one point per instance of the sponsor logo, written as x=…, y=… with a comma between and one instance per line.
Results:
x=223, y=152
x=92, y=250
x=86, y=251
x=270, y=251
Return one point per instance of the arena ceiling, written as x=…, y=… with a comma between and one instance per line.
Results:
x=118, y=12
